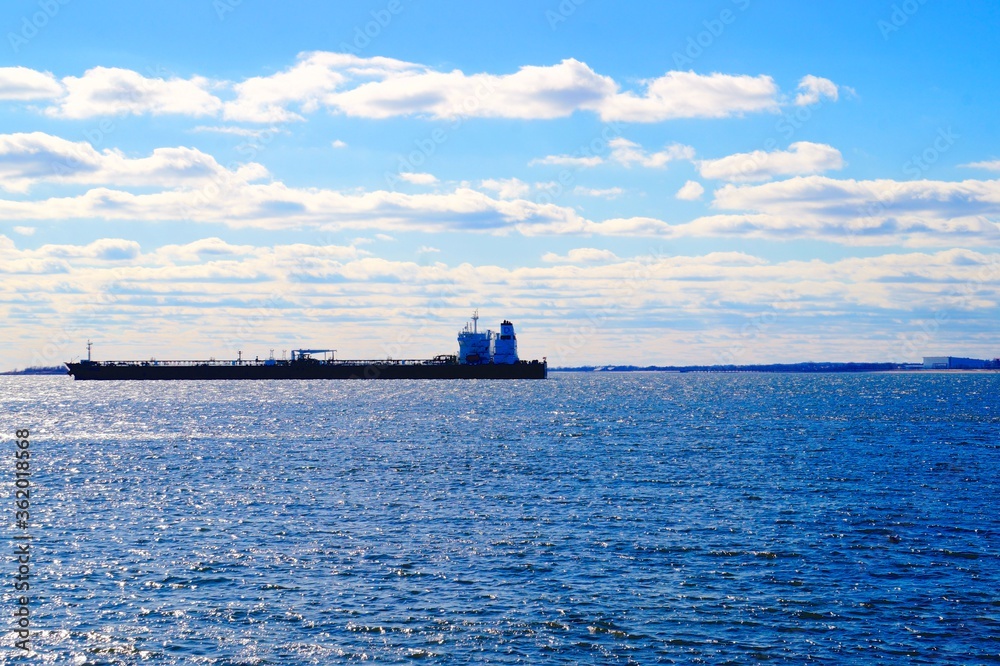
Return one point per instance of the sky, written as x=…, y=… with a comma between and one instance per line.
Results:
x=734, y=181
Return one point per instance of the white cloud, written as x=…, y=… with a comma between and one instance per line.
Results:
x=24, y=231
x=627, y=153
x=264, y=296
x=216, y=249
x=814, y=88
x=554, y=91
x=264, y=99
x=847, y=212
x=604, y=193
x=990, y=165
x=238, y=131
x=581, y=255
x=237, y=203
x=691, y=95
x=690, y=191
x=28, y=159
x=624, y=152
x=419, y=178
x=337, y=143
x=557, y=91
x=105, y=249
x=427, y=249
x=23, y=84
x=801, y=158
x=201, y=249
x=913, y=213
x=873, y=212
x=507, y=188
x=185, y=184
x=111, y=91
x=568, y=160
x=385, y=87
x=307, y=85
x=824, y=196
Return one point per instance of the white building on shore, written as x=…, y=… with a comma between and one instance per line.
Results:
x=955, y=363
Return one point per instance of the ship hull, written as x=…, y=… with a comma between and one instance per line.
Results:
x=340, y=370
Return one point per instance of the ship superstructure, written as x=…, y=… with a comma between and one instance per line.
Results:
x=475, y=348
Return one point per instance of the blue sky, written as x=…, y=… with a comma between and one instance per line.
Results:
x=731, y=181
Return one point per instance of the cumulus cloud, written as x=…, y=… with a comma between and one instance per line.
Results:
x=690, y=191
x=536, y=92
x=691, y=95
x=603, y=193
x=185, y=184
x=106, y=249
x=308, y=85
x=568, y=161
x=630, y=226
x=989, y=165
x=507, y=188
x=338, y=144
x=28, y=159
x=557, y=91
x=848, y=212
x=624, y=152
x=59, y=258
x=253, y=133
x=237, y=203
x=581, y=255
x=381, y=87
x=112, y=91
x=921, y=213
x=824, y=196
x=199, y=250
x=418, y=178
x=801, y=158
x=873, y=212
x=814, y=88
x=627, y=153
x=23, y=84
x=292, y=293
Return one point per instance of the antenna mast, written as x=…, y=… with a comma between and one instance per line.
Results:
x=475, y=321
x=89, y=345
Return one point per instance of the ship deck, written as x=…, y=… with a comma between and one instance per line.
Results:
x=271, y=363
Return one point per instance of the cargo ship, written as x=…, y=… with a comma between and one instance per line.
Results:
x=481, y=355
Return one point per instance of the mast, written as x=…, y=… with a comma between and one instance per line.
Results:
x=89, y=345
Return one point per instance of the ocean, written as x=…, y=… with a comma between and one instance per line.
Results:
x=594, y=518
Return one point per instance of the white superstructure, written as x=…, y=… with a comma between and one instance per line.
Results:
x=475, y=348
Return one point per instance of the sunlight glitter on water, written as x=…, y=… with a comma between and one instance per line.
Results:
x=588, y=518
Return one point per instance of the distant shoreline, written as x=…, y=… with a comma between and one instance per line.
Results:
x=797, y=368
x=47, y=370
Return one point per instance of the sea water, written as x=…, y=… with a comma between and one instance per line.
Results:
x=590, y=518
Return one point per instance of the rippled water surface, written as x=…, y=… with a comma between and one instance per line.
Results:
x=597, y=518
